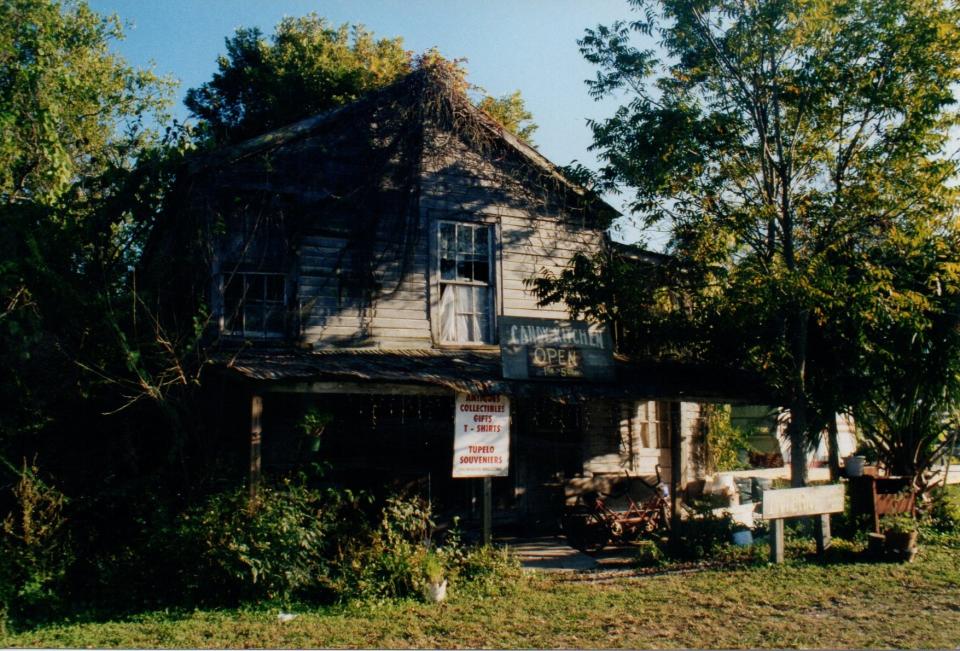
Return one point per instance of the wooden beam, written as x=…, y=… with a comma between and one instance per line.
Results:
x=256, y=412
x=676, y=460
x=359, y=388
x=822, y=532
x=776, y=540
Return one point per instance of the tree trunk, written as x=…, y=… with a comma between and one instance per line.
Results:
x=833, y=448
x=797, y=430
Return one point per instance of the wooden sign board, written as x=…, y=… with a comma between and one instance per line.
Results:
x=481, y=440
x=797, y=502
x=554, y=349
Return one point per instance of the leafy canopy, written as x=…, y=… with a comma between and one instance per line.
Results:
x=76, y=201
x=308, y=66
x=69, y=108
x=511, y=112
x=795, y=151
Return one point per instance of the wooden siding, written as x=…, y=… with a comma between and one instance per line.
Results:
x=314, y=182
x=536, y=235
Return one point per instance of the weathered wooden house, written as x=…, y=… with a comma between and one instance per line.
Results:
x=363, y=266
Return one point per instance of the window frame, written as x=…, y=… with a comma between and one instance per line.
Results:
x=493, y=285
x=244, y=333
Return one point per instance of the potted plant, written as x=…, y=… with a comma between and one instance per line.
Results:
x=434, y=575
x=900, y=537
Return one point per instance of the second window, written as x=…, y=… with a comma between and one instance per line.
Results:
x=466, y=283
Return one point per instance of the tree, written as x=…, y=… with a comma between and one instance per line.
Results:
x=308, y=66
x=511, y=112
x=73, y=207
x=790, y=147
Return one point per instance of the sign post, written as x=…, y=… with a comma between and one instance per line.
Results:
x=481, y=445
x=819, y=501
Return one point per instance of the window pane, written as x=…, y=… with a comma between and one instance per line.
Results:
x=481, y=271
x=464, y=239
x=448, y=314
x=448, y=269
x=481, y=297
x=464, y=270
x=274, y=320
x=481, y=244
x=233, y=292
x=466, y=327
x=447, y=239
x=254, y=288
x=232, y=319
x=275, y=288
x=253, y=317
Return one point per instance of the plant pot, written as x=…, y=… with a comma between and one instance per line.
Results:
x=742, y=538
x=853, y=465
x=436, y=592
x=901, y=545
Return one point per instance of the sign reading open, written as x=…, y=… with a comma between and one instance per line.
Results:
x=555, y=349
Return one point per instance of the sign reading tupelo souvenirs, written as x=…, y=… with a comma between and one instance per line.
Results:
x=552, y=349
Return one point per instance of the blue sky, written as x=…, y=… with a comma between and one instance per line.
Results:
x=528, y=45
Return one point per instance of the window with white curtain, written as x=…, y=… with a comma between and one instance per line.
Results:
x=466, y=283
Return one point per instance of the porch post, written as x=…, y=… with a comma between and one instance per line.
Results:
x=676, y=443
x=256, y=411
x=487, y=510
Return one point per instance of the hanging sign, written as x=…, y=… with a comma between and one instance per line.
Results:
x=553, y=349
x=481, y=439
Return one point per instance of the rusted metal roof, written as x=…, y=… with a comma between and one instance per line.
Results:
x=479, y=371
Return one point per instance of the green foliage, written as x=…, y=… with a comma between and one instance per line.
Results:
x=276, y=546
x=648, y=554
x=306, y=67
x=943, y=515
x=727, y=446
x=796, y=151
x=433, y=570
x=704, y=535
x=69, y=108
x=390, y=563
x=487, y=571
x=898, y=523
x=511, y=112
x=35, y=548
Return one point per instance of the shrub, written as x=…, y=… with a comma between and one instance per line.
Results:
x=944, y=513
x=648, y=554
x=703, y=535
x=390, y=563
x=279, y=545
x=35, y=548
x=486, y=571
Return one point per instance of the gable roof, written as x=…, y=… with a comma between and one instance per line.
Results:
x=438, y=81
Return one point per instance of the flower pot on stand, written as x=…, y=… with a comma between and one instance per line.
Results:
x=853, y=465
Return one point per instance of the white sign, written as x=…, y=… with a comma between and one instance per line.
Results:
x=795, y=502
x=481, y=439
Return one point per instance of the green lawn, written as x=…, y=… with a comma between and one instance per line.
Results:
x=842, y=604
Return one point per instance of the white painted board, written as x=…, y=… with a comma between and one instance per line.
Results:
x=796, y=502
x=481, y=439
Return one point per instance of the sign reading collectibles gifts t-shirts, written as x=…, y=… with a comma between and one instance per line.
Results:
x=552, y=349
x=481, y=441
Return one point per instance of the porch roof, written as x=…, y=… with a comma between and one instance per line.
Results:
x=479, y=371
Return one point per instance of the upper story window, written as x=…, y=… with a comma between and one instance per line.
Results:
x=254, y=304
x=466, y=283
